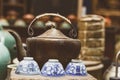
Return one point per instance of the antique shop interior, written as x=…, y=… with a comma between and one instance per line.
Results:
x=59, y=39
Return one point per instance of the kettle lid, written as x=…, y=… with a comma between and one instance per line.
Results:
x=53, y=33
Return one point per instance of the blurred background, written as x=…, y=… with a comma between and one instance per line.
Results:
x=17, y=15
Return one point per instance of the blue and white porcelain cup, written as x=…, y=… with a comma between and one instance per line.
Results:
x=76, y=68
x=28, y=66
x=53, y=68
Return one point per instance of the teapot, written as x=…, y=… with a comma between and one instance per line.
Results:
x=50, y=44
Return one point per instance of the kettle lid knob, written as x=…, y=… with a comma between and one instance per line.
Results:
x=50, y=24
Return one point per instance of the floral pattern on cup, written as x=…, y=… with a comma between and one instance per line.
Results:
x=28, y=66
x=52, y=68
x=76, y=68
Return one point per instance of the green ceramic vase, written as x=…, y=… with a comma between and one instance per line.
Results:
x=4, y=59
x=9, y=42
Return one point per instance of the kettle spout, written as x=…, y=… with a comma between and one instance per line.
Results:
x=21, y=52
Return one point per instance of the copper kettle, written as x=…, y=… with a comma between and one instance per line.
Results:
x=113, y=72
x=51, y=44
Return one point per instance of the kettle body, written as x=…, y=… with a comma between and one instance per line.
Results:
x=43, y=49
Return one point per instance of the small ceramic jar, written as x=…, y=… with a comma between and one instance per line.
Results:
x=76, y=68
x=28, y=66
x=20, y=23
x=52, y=68
x=39, y=24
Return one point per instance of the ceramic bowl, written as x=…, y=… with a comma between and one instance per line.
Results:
x=28, y=66
x=52, y=68
x=76, y=68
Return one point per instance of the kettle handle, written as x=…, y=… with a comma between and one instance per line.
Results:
x=73, y=32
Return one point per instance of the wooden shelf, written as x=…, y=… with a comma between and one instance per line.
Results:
x=14, y=5
x=106, y=9
x=20, y=6
x=108, y=12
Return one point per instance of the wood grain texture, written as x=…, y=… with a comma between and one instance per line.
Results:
x=14, y=76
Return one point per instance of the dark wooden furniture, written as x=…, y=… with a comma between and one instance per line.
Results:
x=20, y=6
x=110, y=42
x=107, y=8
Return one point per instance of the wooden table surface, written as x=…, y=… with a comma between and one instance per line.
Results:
x=14, y=76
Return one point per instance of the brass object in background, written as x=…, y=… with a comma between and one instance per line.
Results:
x=92, y=36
